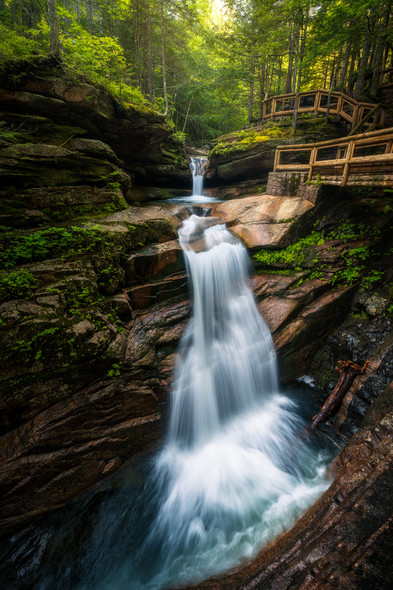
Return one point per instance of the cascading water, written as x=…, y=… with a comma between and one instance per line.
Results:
x=197, y=166
x=234, y=470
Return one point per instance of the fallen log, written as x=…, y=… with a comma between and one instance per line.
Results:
x=348, y=372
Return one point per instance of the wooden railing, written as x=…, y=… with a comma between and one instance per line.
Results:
x=362, y=159
x=358, y=114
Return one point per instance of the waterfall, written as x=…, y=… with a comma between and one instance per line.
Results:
x=197, y=166
x=233, y=472
x=228, y=362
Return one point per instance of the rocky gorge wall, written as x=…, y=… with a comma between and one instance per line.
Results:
x=69, y=156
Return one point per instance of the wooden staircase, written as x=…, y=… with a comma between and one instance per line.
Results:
x=362, y=116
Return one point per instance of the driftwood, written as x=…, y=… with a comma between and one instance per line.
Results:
x=348, y=372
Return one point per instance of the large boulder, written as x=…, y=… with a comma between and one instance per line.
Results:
x=262, y=220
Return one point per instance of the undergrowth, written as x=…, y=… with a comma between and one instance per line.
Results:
x=55, y=241
x=355, y=262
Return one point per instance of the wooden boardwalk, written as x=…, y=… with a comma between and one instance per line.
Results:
x=358, y=160
x=362, y=116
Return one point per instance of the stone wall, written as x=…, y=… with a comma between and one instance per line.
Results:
x=292, y=184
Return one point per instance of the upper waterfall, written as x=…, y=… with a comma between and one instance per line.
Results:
x=198, y=165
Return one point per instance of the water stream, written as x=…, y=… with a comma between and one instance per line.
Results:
x=233, y=472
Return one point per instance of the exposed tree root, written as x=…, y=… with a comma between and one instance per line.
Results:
x=348, y=372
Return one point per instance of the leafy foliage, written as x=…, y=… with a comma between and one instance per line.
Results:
x=18, y=283
x=222, y=59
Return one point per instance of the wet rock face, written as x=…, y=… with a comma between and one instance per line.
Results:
x=83, y=375
x=242, y=159
x=72, y=444
x=296, y=316
x=362, y=337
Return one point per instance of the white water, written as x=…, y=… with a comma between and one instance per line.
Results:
x=234, y=472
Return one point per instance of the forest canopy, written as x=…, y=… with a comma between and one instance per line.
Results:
x=208, y=64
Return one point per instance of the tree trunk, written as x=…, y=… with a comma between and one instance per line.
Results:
x=379, y=50
x=150, y=73
x=361, y=78
x=351, y=80
x=344, y=68
x=334, y=76
x=90, y=15
x=295, y=68
x=288, y=79
x=339, y=58
x=299, y=76
x=136, y=42
x=251, y=95
x=261, y=89
x=164, y=91
x=54, y=29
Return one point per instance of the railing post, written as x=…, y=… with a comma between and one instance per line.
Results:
x=277, y=155
x=383, y=118
x=273, y=111
x=355, y=115
x=315, y=107
x=313, y=156
x=350, y=150
x=389, y=145
x=340, y=104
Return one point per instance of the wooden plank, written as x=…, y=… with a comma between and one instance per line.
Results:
x=355, y=117
x=277, y=155
x=294, y=167
x=374, y=158
x=374, y=141
x=343, y=141
x=339, y=162
x=346, y=116
x=340, y=104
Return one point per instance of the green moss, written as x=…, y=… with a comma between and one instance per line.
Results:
x=294, y=256
x=46, y=243
x=244, y=140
